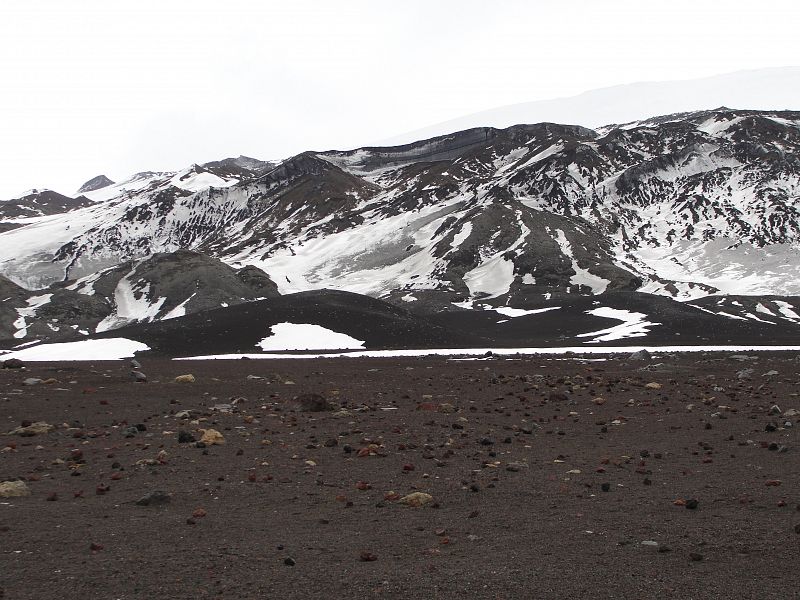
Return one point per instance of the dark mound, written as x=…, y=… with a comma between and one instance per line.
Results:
x=678, y=323
x=237, y=329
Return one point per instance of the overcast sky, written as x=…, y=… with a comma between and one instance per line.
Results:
x=92, y=87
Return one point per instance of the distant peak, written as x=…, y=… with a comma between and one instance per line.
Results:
x=95, y=183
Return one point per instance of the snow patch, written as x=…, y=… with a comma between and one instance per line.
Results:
x=26, y=312
x=597, y=284
x=104, y=349
x=578, y=350
x=633, y=324
x=305, y=336
x=492, y=278
x=519, y=312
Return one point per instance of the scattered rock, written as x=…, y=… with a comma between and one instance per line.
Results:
x=416, y=499
x=184, y=437
x=640, y=355
x=188, y=378
x=653, y=385
x=14, y=489
x=37, y=428
x=154, y=498
x=695, y=556
x=31, y=381
x=138, y=376
x=211, y=437
x=13, y=363
x=312, y=403
x=692, y=503
x=289, y=561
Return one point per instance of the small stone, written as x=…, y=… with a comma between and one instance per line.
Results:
x=188, y=378
x=692, y=503
x=367, y=557
x=211, y=437
x=13, y=363
x=14, y=489
x=184, y=437
x=138, y=376
x=154, y=498
x=312, y=403
x=199, y=513
x=289, y=561
x=94, y=547
x=695, y=556
x=416, y=499
x=653, y=385
x=31, y=429
x=605, y=487
x=31, y=381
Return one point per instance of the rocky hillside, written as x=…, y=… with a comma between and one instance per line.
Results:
x=683, y=205
x=162, y=287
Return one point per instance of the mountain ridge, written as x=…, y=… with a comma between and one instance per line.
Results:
x=684, y=205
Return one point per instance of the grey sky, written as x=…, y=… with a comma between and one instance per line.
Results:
x=117, y=87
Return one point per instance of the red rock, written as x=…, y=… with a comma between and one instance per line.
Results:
x=102, y=489
x=199, y=513
x=408, y=467
x=363, y=485
x=251, y=477
x=52, y=497
x=367, y=557
x=116, y=476
x=772, y=482
x=680, y=502
x=391, y=497
x=95, y=547
x=77, y=494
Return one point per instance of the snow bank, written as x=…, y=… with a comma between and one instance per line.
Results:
x=104, y=349
x=500, y=352
x=304, y=336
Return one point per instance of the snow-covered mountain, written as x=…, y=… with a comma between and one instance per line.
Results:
x=684, y=205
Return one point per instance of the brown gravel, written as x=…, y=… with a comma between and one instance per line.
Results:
x=515, y=455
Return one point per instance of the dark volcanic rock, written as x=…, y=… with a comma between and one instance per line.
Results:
x=312, y=403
